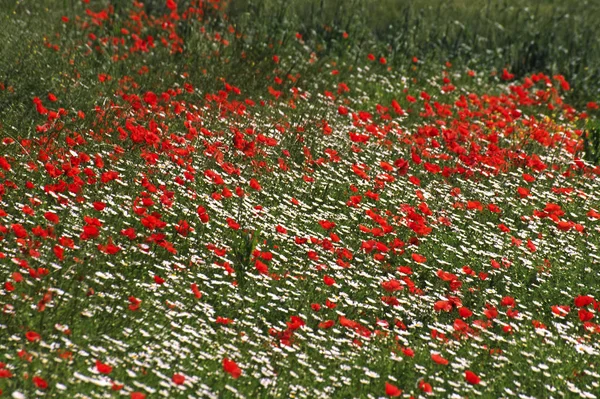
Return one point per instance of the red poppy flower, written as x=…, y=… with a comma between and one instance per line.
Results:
x=51, y=217
x=129, y=233
x=391, y=285
x=261, y=267
x=326, y=324
x=585, y=315
x=464, y=312
x=32, y=336
x=5, y=373
x=295, y=323
x=507, y=75
x=109, y=248
x=419, y=258
x=150, y=98
x=203, y=214
x=328, y=280
x=490, y=312
x=231, y=367
x=59, y=252
x=116, y=386
x=408, y=352
x=439, y=359
x=223, y=320
x=178, y=379
x=196, y=291
x=255, y=184
x=425, y=387
x=233, y=224
x=523, y=192
x=583, y=301
x=560, y=310
x=134, y=303
x=446, y=306
x=508, y=301
x=19, y=230
x=471, y=377
x=326, y=224
x=172, y=5
x=103, y=368
x=392, y=390
x=40, y=382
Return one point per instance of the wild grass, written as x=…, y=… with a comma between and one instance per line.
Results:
x=305, y=199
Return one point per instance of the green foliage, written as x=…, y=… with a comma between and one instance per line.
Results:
x=591, y=142
x=243, y=244
x=524, y=36
x=134, y=308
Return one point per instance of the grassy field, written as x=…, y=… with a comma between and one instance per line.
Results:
x=299, y=199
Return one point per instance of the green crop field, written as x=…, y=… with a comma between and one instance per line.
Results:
x=299, y=199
